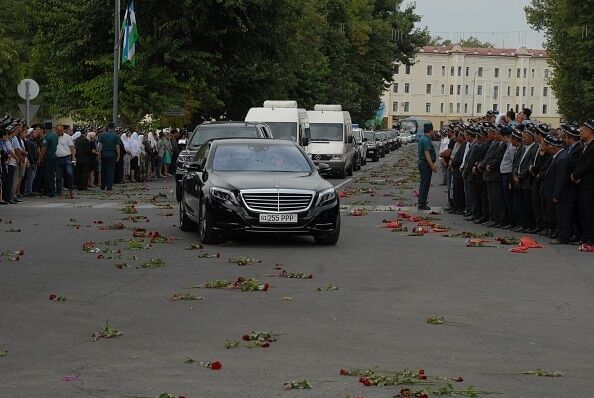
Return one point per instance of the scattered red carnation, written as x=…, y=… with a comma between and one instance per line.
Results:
x=53, y=296
x=365, y=381
x=246, y=337
x=216, y=365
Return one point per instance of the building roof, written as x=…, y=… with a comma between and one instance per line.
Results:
x=484, y=52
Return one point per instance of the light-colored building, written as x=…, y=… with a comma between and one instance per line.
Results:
x=455, y=83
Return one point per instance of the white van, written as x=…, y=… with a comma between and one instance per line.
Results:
x=285, y=119
x=332, y=138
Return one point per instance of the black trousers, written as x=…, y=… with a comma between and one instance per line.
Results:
x=82, y=175
x=586, y=200
x=484, y=199
x=49, y=174
x=527, y=216
x=477, y=208
x=536, y=205
x=549, y=214
x=563, y=212
x=496, y=202
x=459, y=199
x=508, y=199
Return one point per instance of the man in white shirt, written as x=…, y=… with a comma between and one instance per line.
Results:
x=65, y=160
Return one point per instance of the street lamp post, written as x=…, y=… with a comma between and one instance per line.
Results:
x=116, y=61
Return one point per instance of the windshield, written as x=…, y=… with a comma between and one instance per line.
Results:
x=326, y=132
x=206, y=133
x=370, y=136
x=409, y=126
x=283, y=130
x=260, y=158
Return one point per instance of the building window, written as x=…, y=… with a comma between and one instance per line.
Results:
x=525, y=73
x=523, y=91
x=509, y=73
x=495, y=92
x=545, y=91
x=466, y=89
x=467, y=71
x=451, y=71
x=395, y=87
x=496, y=72
x=517, y=108
x=459, y=71
x=458, y=107
x=523, y=106
x=531, y=107
x=532, y=91
x=517, y=91
x=508, y=91
x=545, y=109
x=533, y=73
x=451, y=89
x=546, y=73
x=479, y=108
x=443, y=88
x=406, y=88
x=428, y=107
x=480, y=71
x=466, y=108
x=406, y=106
x=451, y=107
x=443, y=68
x=479, y=90
x=429, y=70
x=507, y=106
x=397, y=70
x=518, y=73
x=495, y=107
x=458, y=88
x=395, y=107
x=428, y=88
x=407, y=71
x=441, y=107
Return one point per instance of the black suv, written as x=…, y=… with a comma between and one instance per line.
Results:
x=209, y=131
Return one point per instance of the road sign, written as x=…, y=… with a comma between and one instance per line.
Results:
x=28, y=89
x=33, y=109
x=175, y=112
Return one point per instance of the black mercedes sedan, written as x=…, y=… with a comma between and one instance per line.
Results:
x=258, y=186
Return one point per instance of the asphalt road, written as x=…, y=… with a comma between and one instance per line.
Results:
x=508, y=313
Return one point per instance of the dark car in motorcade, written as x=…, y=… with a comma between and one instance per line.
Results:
x=383, y=137
x=375, y=146
x=208, y=131
x=257, y=186
x=396, y=144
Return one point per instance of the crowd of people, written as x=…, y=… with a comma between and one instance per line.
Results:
x=40, y=160
x=505, y=171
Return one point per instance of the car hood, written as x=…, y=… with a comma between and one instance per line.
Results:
x=244, y=180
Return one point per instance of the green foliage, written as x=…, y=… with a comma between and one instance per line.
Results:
x=213, y=58
x=570, y=43
x=470, y=42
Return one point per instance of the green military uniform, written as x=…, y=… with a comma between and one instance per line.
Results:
x=109, y=142
x=50, y=143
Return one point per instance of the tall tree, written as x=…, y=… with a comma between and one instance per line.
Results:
x=570, y=44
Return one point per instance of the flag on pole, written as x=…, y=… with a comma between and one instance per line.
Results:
x=130, y=35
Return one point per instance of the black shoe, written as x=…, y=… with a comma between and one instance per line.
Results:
x=17, y=200
x=480, y=221
x=558, y=242
x=498, y=225
x=553, y=235
x=13, y=202
x=424, y=207
x=507, y=227
x=533, y=231
x=544, y=232
x=470, y=218
x=518, y=229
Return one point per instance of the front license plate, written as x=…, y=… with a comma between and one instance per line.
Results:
x=278, y=218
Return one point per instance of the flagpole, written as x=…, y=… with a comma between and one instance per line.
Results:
x=116, y=62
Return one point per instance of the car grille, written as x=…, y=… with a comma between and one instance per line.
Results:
x=321, y=157
x=277, y=200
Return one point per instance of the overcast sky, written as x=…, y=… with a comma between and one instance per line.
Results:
x=502, y=22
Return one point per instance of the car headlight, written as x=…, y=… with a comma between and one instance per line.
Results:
x=336, y=157
x=223, y=195
x=327, y=196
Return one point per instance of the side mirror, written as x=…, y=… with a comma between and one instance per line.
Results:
x=304, y=141
x=194, y=167
x=324, y=169
x=350, y=139
x=364, y=139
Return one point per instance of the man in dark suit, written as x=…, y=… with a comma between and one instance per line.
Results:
x=516, y=141
x=583, y=176
x=541, y=160
x=559, y=192
x=458, y=181
x=472, y=157
x=492, y=177
x=524, y=179
x=573, y=144
x=487, y=137
x=83, y=160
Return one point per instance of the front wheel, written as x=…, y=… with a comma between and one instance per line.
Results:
x=349, y=171
x=329, y=239
x=185, y=224
x=205, y=231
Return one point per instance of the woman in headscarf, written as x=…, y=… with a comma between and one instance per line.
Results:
x=165, y=153
x=125, y=137
x=152, y=154
x=91, y=135
x=135, y=156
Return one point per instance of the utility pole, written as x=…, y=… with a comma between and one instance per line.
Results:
x=116, y=61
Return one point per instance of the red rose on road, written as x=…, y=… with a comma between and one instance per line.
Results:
x=246, y=337
x=365, y=381
x=216, y=365
x=53, y=296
